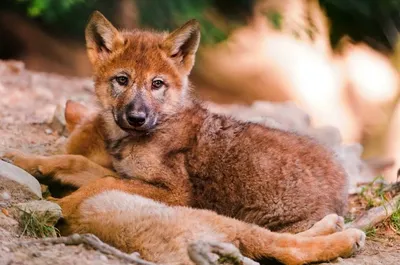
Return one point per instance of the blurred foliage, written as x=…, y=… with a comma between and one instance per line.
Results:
x=375, y=21
x=173, y=13
x=215, y=28
x=49, y=9
x=365, y=8
x=62, y=17
x=275, y=18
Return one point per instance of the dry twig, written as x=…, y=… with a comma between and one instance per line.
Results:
x=92, y=241
x=201, y=253
x=375, y=215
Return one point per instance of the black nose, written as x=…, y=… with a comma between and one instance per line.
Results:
x=135, y=118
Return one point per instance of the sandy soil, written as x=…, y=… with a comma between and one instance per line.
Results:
x=27, y=102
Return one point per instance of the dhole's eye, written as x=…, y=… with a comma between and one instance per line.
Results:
x=157, y=83
x=122, y=80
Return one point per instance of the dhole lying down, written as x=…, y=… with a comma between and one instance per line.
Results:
x=152, y=139
x=109, y=208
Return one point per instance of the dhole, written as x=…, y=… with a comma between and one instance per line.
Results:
x=87, y=162
x=165, y=146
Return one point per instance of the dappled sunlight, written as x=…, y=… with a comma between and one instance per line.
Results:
x=372, y=75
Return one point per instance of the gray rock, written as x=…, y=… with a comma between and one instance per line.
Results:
x=43, y=210
x=5, y=196
x=58, y=122
x=284, y=116
x=23, y=178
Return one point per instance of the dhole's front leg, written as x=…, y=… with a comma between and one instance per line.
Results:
x=60, y=172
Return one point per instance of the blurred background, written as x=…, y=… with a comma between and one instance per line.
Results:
x=337, y=59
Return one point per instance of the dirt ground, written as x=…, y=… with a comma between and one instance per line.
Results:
x=27, y=102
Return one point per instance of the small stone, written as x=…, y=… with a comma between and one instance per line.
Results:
x=135, y=254
x=48, y=131
x=5, y=249
x=5, y=212
x=103, y=258
x=5, y=195
x=60, y=141
x=45, y=210
x=58, y=122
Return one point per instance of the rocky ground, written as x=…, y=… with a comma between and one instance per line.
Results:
x=28, y=102
x=31, y=122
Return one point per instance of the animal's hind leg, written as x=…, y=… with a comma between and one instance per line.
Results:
x=311, y=227
x=70, y=204
x=330, y=224
x=291, y=249
x=294, y=249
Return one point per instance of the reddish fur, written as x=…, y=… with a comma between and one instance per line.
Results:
x=275, y=179
x=242, y=170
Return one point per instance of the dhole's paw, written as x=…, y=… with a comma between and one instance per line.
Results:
x=356, y=239
x=359, y=239
x=330, y=224
x=9, y=156
x=22, y=160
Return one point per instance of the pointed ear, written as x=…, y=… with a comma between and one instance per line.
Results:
x=75, y=113
x=102, y=38
x=182, y=44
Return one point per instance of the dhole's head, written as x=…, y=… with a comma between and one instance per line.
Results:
x=140, y=76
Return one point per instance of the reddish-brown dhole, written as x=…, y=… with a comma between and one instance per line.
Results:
x=151, y=138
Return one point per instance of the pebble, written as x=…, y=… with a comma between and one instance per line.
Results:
x=5, y=195
x=43, y=209
x=58, y=122
x=5, y=249
x=103, y=258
